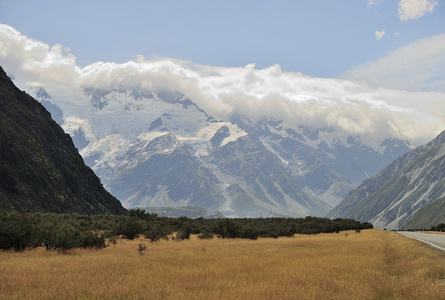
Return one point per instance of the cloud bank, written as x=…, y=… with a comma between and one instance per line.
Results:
x=31, y=60
x=347, y=106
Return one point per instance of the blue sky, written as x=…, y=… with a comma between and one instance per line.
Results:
x=322, y=38
x=374, y=68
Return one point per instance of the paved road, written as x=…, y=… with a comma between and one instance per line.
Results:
x=436, y=240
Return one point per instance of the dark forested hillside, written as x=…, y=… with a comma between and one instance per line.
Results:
x=40, y=169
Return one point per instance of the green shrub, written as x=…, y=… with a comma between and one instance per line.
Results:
x=93, y=240
x=206, y=235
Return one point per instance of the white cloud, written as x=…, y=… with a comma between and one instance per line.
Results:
x=33, y=61
x=373, y=2
x=379, y=34
x=348, y=106
x=270, y=92
x=415, y=9
x=419, y=66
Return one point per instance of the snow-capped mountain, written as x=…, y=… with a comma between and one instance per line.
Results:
x=390, y=198
x=157, y=148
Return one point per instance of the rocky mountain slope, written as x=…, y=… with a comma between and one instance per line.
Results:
x=153, y=148
x=429, y=215
x=40, y=169
x=410, y=182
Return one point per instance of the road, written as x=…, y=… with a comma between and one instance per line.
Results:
x=436, y=240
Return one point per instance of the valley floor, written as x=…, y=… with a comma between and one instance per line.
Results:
x=373, y=264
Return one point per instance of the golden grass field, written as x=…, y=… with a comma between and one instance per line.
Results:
x=373, y=264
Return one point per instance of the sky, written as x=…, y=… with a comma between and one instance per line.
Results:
x=386, y=55
x=321, y=38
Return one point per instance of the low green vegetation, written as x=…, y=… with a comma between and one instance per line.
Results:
x=61, y=232
x=440, y=227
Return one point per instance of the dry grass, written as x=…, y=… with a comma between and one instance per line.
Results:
x=373, y=264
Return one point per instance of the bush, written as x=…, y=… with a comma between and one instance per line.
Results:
x=130, y=228
x=249, y=233
x=18, y=232
x=141, y=248
x=155, y=233
x=184, y=234
x=93, y=240
x=67, y=237
x=439, y=227
x=206, y=235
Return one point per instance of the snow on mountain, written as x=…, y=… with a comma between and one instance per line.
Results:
x=160, y=149
x=170, y=131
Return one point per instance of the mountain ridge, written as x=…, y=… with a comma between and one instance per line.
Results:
x=309, y=170
x=390, y=198
x=40, y=169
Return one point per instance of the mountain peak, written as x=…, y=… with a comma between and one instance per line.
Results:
x=146, y=144
x=440, y=139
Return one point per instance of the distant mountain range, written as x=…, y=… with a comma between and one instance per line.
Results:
x=404, y=193
x=161, y=152
x=182, y=211
x=40, y=169
x=159, y=149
